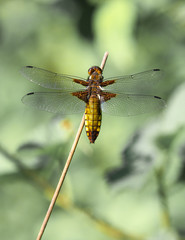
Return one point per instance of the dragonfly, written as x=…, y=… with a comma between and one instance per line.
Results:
x=120, y=96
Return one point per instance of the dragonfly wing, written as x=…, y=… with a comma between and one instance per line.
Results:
x=130, y=104
x=52, y=80
x=143, y=82
x=56, y=102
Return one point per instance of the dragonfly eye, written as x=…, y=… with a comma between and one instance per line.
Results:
x=94, y=69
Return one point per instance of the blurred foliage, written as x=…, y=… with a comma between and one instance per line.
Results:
x=133, y=190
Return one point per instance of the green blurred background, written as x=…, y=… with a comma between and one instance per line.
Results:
x=130, y=183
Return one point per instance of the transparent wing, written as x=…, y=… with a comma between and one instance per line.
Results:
x=144, y=82
x=51, y=80
x=56, y=102
x=130, y=104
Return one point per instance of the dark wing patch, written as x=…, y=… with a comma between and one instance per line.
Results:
x=105, y=96
x=82, y=95
x=106, y=83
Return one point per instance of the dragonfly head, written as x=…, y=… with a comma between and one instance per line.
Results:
x=94, y=69
x=95, y=73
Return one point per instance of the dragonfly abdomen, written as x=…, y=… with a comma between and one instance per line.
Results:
x=93, y=118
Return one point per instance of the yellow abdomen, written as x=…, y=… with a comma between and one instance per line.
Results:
x=93, y=118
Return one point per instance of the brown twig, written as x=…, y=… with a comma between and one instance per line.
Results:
x=104, y=60
x=64, y=172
